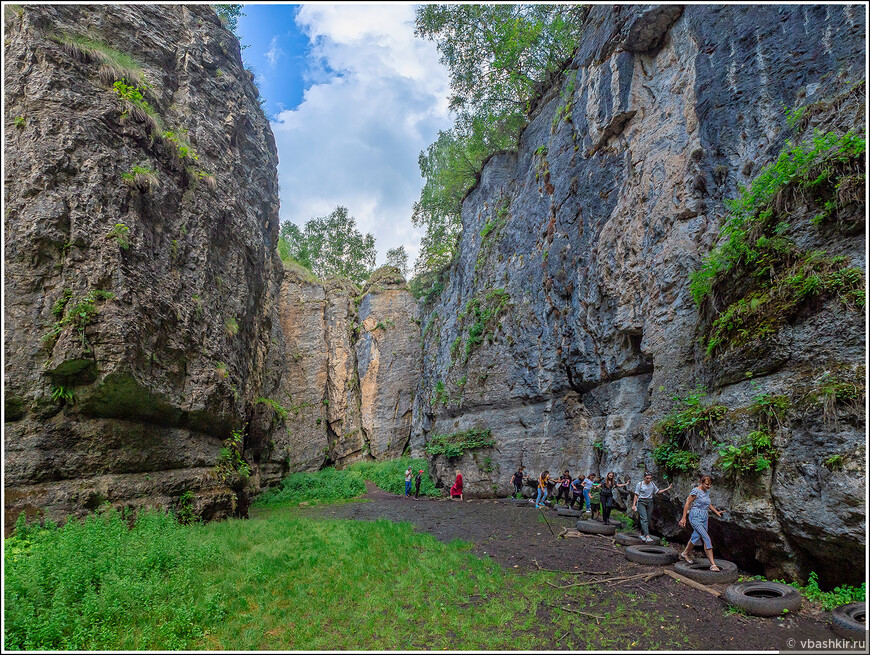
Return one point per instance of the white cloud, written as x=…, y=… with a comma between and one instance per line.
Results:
x=355, y=138
x=274, y=52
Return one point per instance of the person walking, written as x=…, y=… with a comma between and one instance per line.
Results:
x=542, y=489
x=408, y=475
x=418, y=479
x=697, y=510
x=563, y=489
x=456, y=489
x=608, y=489
x=577, y=493
x=517, y=482
x=588, y=484
x=644, y=493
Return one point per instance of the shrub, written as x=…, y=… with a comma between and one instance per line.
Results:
x=231, y=464
x=682, y=433
x=119, y=233
x=751, y=455
x=454, y=445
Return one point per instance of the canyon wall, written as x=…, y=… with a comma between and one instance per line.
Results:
x=567, y=326
x=140, y=266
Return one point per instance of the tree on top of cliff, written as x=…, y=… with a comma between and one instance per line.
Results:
x=330, y=245
x=498, y=57
x=399, y=258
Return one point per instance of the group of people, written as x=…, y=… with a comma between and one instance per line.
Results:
x=455, y=490
x=598, y=497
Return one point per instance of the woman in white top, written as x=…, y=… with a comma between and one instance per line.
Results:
x=644, y=492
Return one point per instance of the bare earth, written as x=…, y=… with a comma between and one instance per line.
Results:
x=516, y=537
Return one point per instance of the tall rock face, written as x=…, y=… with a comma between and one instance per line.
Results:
x=351, y=365
x=567, y=326
x=140, y=266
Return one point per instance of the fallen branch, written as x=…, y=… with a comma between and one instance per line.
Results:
x=568, y=609
x=645, y=576
x=692, y=583
x=571, y=572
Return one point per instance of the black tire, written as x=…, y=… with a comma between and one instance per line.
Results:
x=594, y=527
x=699, y=571
x=850, y=620
x=761, y=598
x=568, y=512
x=633, y=539
x=655, y=555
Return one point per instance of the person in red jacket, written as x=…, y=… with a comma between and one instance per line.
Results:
x=456, y=489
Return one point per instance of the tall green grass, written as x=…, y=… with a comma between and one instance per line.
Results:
x=329, y=484
x=281, y=581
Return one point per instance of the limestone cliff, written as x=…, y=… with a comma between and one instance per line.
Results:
x=351, y=364
x=140, y=267
x=567, y=325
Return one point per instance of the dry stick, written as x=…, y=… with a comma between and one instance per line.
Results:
x=692, y=583
x=568, y=609
x=571, y=572
x=646, y=576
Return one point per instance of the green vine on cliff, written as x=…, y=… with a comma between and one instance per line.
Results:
x=454, y=445
x=80, y=316
x=684, y=432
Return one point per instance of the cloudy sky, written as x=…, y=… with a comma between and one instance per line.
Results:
x=353, y=97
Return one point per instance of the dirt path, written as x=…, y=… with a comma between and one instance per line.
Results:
x=517, y=537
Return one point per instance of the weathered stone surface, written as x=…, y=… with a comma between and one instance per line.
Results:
x=351, y=366
x=598, y=223
x=165, y=368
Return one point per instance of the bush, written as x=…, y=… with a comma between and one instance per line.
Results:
x=454, y=445
x=77, y=587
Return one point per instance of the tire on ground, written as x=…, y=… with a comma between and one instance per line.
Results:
x=594, y=527
x=762, y=598
x=850, y=620
x=568, y=512
x=648, y=554
x=633, y=539
x=699, y=571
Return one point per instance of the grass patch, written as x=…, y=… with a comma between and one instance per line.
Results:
x=114, y=65
x=841, y=595
x=280, y=581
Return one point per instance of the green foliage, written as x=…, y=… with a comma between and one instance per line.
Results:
x=753, y=454
x=119, y=233
x=441, y=395
x=772, y=276
x=60, y=303
x=280, y=410
x=492, y=230
x=61, y=393
x=454, y=445
x=20, y=122
x=80, y=315
x=98, y=584
x=485, y=312
x=133, y=104
x=229, y=15
x=399, y=258
x=231, y=464
x=685, y=431
x=330, y=245
x=841, y=595
x=182, y=147
x=498, y=58
x=390, y=475
x=185, y=513
x=835, y=462
x=771, y=410
x=327, y=485
x=232, y=326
